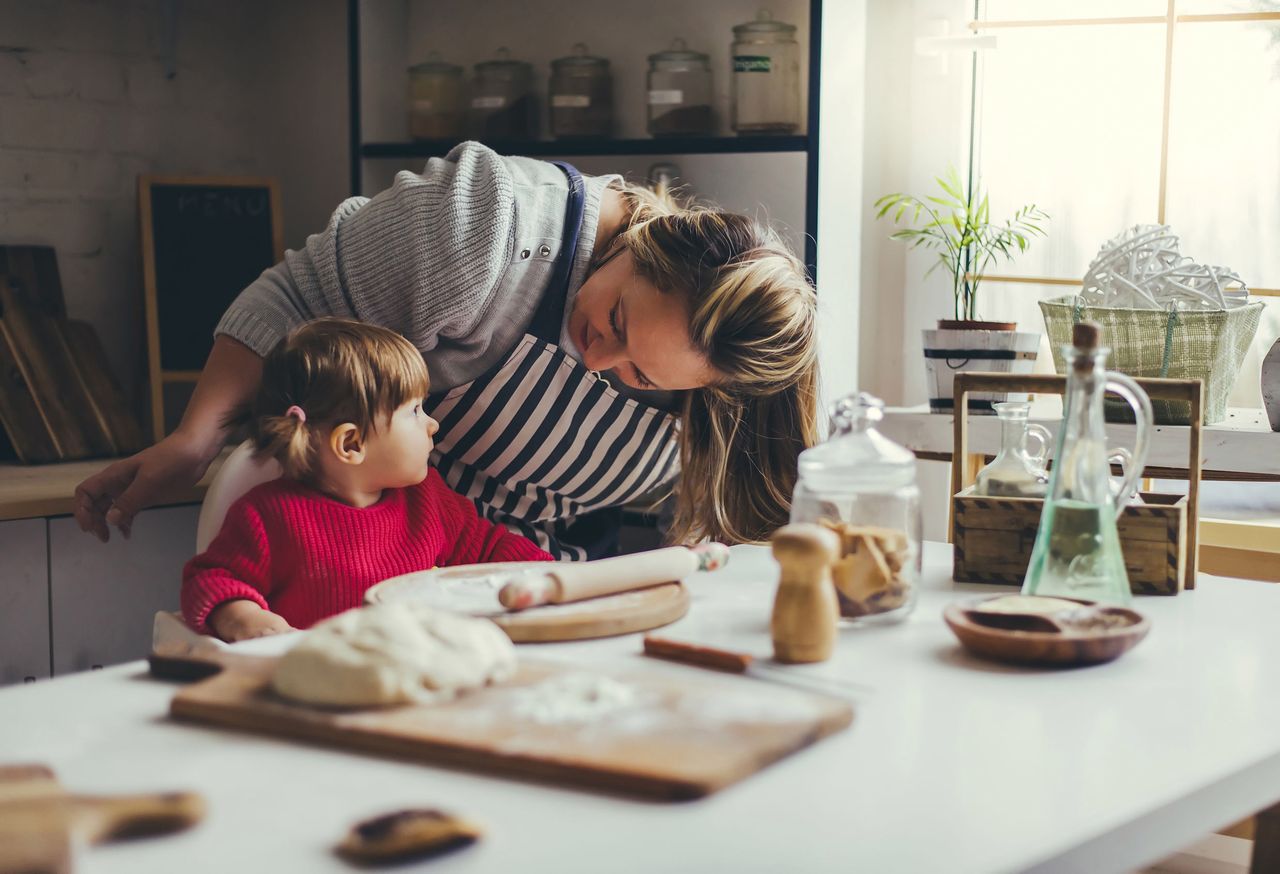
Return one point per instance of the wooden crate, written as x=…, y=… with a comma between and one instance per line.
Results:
x=993, y=537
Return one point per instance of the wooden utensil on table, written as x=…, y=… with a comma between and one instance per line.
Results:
x=745, y=664
x=805, y=610
x=405, y=835
x=558, y=583
x=39, y=820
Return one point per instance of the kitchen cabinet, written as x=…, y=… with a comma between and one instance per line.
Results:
x=103, y=596
x=24, y=601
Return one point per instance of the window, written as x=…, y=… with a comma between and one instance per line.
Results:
x=1110, y=113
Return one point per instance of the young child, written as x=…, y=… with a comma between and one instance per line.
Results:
x=340, y=408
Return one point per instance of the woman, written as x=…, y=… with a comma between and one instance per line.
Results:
x=588, y=342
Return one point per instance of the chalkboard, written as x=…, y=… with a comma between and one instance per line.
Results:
x=204, y=239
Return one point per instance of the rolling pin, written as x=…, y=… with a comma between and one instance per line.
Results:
x=578, y=581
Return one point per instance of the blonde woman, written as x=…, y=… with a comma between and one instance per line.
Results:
x=589, y=343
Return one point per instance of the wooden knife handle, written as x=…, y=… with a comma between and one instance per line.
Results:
x=701, y=656
x=98, y=819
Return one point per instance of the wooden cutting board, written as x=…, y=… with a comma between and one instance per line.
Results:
x=663, y=734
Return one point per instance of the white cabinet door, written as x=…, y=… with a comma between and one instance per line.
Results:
x=105, y=595
x=24, y=601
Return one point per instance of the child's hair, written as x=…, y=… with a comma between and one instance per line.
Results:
x=332, y=371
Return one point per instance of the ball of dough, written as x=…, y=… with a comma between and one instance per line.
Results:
x=393, y=654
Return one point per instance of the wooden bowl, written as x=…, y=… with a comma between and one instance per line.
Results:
x=1061, y=648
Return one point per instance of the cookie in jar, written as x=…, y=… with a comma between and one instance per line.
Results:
x=862, y=486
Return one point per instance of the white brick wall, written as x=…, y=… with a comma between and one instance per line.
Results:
x=85, y=107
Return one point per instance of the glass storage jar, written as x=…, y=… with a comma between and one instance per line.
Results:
x=766, y=77
x=863, y=485
x=435, y=100
x=581, y=95
x=503, y=105
x=679, y=84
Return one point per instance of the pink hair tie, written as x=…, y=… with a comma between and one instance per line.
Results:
x=296, y=410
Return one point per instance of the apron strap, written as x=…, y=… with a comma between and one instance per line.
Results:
x=549, y=318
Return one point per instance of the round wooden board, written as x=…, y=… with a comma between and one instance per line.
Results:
x=624, y=613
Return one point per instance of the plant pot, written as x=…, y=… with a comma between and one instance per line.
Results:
x=989, y=347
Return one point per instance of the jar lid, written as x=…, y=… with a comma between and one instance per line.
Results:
x=764, y=23
x=679, y=51
x=502, y=64
x=857, y=456
x=579, y=58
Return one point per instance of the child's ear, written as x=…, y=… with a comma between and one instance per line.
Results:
x=346, y=444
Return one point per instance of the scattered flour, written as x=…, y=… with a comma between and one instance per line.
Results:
x=574, y=699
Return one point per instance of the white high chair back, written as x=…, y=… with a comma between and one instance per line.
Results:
x=239, y=473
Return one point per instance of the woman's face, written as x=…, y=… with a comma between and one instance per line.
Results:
x=622, y=323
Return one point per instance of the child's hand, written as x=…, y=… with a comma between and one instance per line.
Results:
x=242, y=619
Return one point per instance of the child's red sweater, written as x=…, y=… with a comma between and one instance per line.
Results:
x=306, y=556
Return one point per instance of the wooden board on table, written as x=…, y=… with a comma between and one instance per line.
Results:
x=671, y=735
x=607, y=616
x=106, y=398
x=53, y=378
x=32, y=271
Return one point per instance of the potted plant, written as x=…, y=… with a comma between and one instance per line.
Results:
x=957, y=225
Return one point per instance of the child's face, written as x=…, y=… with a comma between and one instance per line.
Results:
x=397, y=453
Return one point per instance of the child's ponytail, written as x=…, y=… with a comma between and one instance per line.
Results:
x=325, y=373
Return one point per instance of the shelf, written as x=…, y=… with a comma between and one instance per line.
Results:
x=645, y=146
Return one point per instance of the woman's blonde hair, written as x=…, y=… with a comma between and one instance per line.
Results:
x=333, y=371
x=753, y=315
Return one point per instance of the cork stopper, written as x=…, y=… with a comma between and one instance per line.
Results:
x=1085, y=335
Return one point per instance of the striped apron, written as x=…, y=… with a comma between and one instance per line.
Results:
x=541, y=441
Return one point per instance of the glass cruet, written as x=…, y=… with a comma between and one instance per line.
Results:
x=1016, y=472
x=863, y=485
x=1077, y=551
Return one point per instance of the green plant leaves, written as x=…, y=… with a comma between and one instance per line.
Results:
x=967, y=240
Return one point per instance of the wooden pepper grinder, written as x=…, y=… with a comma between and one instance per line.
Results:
x=805, y=612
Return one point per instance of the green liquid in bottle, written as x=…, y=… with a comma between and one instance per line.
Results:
x=1077, y=554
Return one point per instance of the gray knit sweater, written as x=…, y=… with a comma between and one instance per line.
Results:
x=436, y=257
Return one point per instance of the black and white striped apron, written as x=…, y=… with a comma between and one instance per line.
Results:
x=540, y=441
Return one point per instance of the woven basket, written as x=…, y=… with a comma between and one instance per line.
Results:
x=1208, y=346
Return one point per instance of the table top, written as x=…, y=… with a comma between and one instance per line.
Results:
x=951, y=763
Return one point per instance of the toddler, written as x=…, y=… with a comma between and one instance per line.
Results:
x=340, y=408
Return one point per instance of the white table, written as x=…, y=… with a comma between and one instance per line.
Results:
x=952, y=764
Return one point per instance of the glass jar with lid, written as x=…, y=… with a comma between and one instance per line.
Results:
x=679, y=84
x=766, y=77
x=581, y=95
x=863, y=485
x=503, y=105
x=435, y=100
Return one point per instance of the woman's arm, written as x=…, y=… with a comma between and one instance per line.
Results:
x=116, y=494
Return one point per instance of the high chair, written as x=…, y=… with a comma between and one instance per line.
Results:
x=170, y=636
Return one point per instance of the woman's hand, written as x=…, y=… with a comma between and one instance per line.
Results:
x=115, y=494
x=243, y=619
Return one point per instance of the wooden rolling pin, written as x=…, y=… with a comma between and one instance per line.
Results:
x=40, y=821
x=578, y=581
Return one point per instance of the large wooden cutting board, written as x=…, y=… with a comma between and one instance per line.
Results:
x=675, y=735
